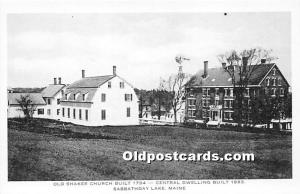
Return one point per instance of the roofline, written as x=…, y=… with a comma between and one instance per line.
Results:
x=267, y=74
x=107, y=80
x=19, y=104
x=59, y=91
x=221, y=86
x=97, y=85
x=64, y=85
x=126, y=81
x=76, y=101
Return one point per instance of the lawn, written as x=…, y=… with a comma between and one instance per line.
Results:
x=47, y=150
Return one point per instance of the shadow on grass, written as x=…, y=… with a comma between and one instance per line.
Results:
x=58, y=129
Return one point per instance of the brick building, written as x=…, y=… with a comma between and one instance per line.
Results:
x=210, y=92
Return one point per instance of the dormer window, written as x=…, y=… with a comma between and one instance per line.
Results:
x=83, y=97
x=66, y=96
x=75, y=96
x=109, y=84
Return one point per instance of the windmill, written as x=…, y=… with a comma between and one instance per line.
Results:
x=179, y=59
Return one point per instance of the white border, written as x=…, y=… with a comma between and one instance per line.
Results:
x=68, y=6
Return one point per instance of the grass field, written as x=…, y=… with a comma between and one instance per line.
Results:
x=45, y=150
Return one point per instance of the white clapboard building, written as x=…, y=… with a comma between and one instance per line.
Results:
x=90, y=101
x=100, y=100
x=52, y=95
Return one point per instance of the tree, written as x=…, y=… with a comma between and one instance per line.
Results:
x=175, y=85
x=26, y=105
x=240, y=66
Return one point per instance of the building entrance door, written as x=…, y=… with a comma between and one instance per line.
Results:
x=215, y=115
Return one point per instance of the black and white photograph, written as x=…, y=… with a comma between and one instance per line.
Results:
x=149, y=101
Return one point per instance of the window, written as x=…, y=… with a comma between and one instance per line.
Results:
x=217, y=102
x=103, y=97
x=228, y=91
x=68, y=112
x=58, y=101
x=122, y=85
x=191, y=102
x=103, y=114
x=48, y=111
x=191, y=113
x=40, y=111
x=57, y=111
x=268, y=81
x=247, y=92
x=230, y=103
x=281, y=91
x=74, y=96
x=217, y=91
x=74, y=113
x=80, y=117
x=48, y=101
x=63, y=112
x=207, y=92
x=203, y=102
x=62, y=93
x=225, y=104
x=109, y=84
x=274, y=81
x=273, y=91
x=86, y=114
x=128, y=112
x=279, y=82
x=207, y=102
x=204, y=92
x=128, y=97
x=227, y=115
x=66, y=96
x=254, y=92
x=83, y=97
x=274, y=71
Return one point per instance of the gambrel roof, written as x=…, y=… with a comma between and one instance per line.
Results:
x=219, y=77
x=88, y=86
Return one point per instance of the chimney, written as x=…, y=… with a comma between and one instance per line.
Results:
x=205, y=68
x=59, y=80
x=55, y=81
x=244, y=63
x=83, y=73
x=114, y=70
x=263, y=61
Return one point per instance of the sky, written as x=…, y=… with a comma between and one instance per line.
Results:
x=143, y=46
